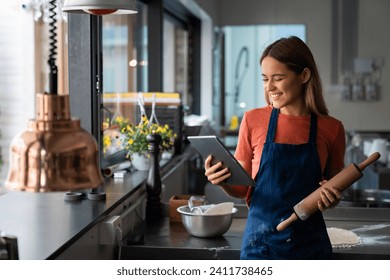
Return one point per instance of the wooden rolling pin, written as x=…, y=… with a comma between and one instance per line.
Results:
x=341, y=181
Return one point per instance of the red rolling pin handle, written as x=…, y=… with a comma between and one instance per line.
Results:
x=344, y=179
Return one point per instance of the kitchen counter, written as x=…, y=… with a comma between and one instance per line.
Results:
x=45, y=225
x=165, y=240
x=48, y=227
x=372, y=225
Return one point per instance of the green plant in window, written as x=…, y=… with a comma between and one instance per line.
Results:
x=135, y=136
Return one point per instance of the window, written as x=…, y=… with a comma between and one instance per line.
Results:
x=176, y=59
x=125, y=62
x=131, y=60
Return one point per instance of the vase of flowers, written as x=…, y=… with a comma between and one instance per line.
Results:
x=136, y=145
x=141, y=160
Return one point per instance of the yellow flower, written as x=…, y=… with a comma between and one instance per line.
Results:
x=106, y=142
x=119, y=119
x=136, y=136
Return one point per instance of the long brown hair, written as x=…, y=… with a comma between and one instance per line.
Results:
x=296, y=55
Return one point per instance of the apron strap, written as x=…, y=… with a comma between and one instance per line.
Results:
x=272, y=125
x=274, y=121
x=313, y=128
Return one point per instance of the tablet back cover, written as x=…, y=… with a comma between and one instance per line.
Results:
x=211, y=145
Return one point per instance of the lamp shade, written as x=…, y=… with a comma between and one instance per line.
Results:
x=100, y=7
x=54, y=153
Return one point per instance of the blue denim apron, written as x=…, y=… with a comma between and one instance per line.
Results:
x=287, y=174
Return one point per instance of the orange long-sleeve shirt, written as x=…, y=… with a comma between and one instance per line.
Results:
x=292, y=130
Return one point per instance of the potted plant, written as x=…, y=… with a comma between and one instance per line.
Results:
x=135, y=143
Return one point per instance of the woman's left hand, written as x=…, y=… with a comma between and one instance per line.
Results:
x=330, y=197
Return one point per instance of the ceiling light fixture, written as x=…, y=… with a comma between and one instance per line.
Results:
x=101, y=7
x=54, y=153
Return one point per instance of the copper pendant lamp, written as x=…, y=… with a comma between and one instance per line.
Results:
x=54, y=153
x=101, y=7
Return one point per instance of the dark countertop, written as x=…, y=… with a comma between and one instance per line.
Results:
x=46, y=225
x=174, y=242
x=372, y=225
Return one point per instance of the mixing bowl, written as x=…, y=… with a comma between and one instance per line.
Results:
x=205, y=226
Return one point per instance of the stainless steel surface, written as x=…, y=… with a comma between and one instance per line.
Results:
x=366, y=198
x=205, y=226
x=55, y=153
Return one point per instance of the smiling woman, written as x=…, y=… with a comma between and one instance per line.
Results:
x=289, y=147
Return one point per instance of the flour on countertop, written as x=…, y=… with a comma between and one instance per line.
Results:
x=341, y=238
x=373, y=239
x=372, y=227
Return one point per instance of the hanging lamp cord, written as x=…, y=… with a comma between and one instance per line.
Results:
x=53, y=76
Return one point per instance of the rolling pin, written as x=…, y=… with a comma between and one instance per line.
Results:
x=341, y=181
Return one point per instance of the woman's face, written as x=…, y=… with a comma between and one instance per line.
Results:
x=283, y=87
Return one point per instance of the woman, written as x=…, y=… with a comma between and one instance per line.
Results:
x=299, y=145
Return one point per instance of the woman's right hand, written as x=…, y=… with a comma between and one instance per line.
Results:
x=214, y=173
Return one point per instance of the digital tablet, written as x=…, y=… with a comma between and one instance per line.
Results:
x=212, y=145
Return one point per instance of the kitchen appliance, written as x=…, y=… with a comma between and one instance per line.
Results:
x=309, y=205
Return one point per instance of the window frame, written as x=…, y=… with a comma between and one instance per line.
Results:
x=85, y=60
